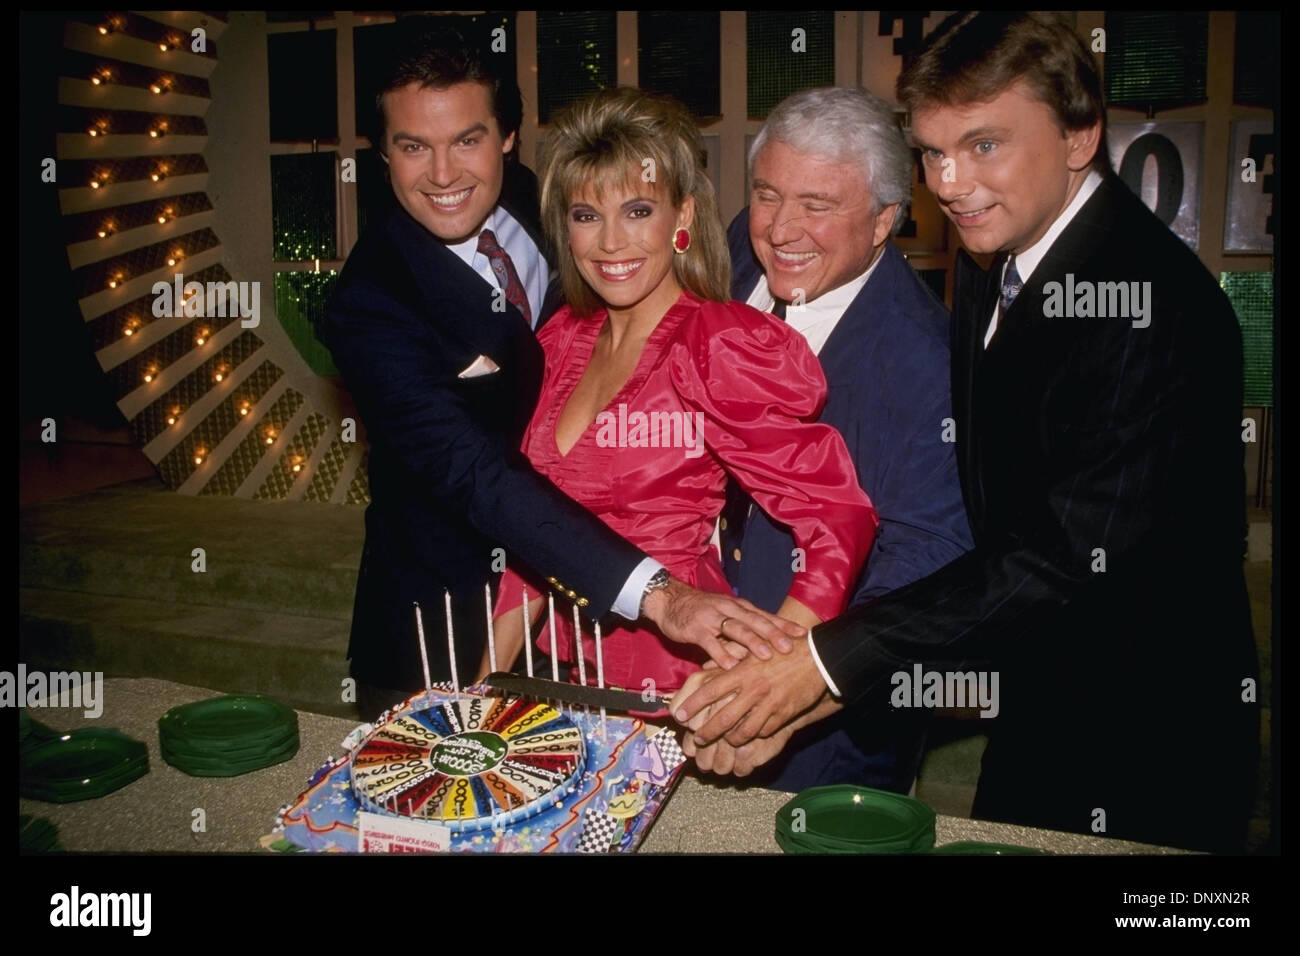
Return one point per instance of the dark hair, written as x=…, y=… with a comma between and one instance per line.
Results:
x=437, y=53
x=971, y=57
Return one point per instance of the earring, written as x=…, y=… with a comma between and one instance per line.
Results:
x=681, y=241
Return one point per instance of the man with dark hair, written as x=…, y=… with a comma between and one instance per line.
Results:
x=1097, y=389
x=431, y=324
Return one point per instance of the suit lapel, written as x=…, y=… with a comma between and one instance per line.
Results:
x=974, y=295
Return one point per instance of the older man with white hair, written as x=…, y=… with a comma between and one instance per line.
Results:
x=831, y=183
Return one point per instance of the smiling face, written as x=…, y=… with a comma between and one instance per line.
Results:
x=621, y=241
x=811, y=221
x=1012, y=171
x=446, y=155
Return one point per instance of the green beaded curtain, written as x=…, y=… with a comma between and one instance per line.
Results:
x=781, y=61
x=575, y=56
x=678, y=54
x=303, y=208
x=1155, y=61
x=1251, y=294
x=300, y=299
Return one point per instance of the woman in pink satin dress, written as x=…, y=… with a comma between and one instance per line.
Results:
x=656, y=388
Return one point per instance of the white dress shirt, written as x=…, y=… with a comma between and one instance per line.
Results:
x=1027, y=261
x=815, y=320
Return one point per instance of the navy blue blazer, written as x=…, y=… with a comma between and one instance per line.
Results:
x=887, y=367
x=448, y=484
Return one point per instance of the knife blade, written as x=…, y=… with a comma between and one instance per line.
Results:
x=627, y=700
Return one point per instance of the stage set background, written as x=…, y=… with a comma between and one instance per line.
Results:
x=229, y=159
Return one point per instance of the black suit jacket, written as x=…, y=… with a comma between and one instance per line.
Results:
x=1102, y=467
x=447, y=481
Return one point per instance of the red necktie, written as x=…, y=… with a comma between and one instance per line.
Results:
x=504, y=270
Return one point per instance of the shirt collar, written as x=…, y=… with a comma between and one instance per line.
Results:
x=1028, y=260
x=829, y=305
x=468, y=248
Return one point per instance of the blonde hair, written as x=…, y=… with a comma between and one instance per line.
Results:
x=605, y=139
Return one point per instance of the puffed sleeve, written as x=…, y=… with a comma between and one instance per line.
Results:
x=760, y=388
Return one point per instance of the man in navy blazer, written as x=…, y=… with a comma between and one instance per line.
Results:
x=432, y=327
x=831, y=183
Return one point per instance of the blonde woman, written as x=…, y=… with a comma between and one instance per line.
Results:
x=656, y=387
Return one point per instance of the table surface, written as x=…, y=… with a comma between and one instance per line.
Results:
x=159, y=812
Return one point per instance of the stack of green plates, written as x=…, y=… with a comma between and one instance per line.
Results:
x=80, y=765
x=37, y=835
x=849, y=819
x=227, y=736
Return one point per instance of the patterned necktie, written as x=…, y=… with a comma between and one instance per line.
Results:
x=1011, y=286
x=504, y=270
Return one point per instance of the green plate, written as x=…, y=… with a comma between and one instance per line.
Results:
x=202, y=751
x=230, y=767
x=80, y=754
x=850, y=819
x=37, y=835
x=232, y=717
x=81, y=765
x=976, y=848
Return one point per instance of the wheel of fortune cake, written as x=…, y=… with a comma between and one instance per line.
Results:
x=469, y=763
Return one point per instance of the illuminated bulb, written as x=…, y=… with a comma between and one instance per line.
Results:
x=243, y=409
x=162, y=219
x=163, y=47
x=96, y=80
x=148, y=376
x=202, y=336
x=153, y=134
x=103, y=233
x=219, y=376
x=171, y=260
x=103, y=30
x=93, y=132
x=154, y=87
x=171, y=420
x=270, y=436
x=155, y=177
x=112, y=283
x=128, y=331
x=94, y=184
x=198, y=458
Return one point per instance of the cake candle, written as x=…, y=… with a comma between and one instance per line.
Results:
x=492, y=637
x=451, y=648
x=577, y=637
x=528, y=635
x=600, y=675
x=424, y=651
x=555, y=664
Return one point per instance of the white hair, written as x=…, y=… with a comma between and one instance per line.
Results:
x=846, y=124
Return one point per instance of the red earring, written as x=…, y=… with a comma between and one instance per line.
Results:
x=681, y=241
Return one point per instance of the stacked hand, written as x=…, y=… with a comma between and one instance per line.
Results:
x=742, y=717
x=726, y=627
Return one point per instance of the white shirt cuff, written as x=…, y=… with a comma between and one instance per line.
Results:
x=628, y=604
x=821, y=668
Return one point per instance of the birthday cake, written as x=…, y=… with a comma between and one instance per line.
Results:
x=471, y=763
x=476, y=770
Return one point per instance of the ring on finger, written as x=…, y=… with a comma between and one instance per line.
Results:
x=722, y=628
